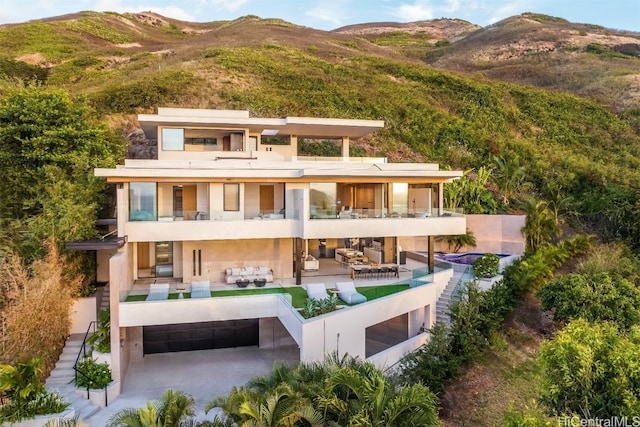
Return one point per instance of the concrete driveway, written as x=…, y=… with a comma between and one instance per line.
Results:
x=203, y=374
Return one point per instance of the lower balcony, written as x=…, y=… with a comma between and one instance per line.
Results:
x=410, y=304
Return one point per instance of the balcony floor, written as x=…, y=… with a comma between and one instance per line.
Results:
x=329, y=273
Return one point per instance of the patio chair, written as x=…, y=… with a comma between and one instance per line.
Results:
x=347, y=293
x=384, y=271
x=201, y=289
x=317, y=291
x=158, y=291
x=361, y=272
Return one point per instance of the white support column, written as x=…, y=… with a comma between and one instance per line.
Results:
x=345, y=148
x=294, y=147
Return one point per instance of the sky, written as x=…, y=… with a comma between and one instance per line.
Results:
x=331, y=14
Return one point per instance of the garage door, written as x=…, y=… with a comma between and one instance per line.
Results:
x=200, y=336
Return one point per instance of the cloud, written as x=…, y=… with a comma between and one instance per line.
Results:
x=416, y=11
x=333, y=12
x=509, y=9
x=168, y=11
x=227, y=5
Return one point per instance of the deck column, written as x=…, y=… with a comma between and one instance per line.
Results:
x=345, y=148
x=297, y=248
x=431, y=262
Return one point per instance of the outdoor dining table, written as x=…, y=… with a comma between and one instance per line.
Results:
x=357, y=268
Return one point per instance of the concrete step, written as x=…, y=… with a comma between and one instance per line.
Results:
x=65, y=364
x=59, y=373
x=87, y=411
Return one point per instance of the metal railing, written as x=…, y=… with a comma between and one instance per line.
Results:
x=85, y=350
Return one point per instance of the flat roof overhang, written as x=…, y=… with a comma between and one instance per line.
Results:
x=303, y=126
x=96, y=244
x=239, y=175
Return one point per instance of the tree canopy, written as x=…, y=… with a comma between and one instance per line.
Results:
x=49, y=145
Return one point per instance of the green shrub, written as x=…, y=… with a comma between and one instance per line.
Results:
x=488, y=265
x=590, y=368
x=160, y=89
x=21, y=70
x=42, y=404
x=101, y=339
x=532, y=416
x=23, y=395
x=595, y=298
x=432, y=364
x=314, y=307
x=92, y=374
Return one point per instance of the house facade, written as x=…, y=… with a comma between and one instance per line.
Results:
x=228, y=194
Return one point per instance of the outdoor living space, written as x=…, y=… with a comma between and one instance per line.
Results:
x=272, y=316
x=330, y=272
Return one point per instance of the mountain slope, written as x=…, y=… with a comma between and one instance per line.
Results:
x=552, y=53
x=567, y=145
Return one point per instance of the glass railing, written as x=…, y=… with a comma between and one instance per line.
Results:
x=468, y=275
x=210, y=216
x=282, y=214
x=256, y=214
x=421, y=276
x=316, y=213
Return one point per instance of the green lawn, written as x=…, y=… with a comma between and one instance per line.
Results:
x=298, y=293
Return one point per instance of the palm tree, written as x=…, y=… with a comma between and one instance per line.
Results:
x=458, y=241
x=364, y=397
x=509, y=176
x=279, y=407
x=540, y=225
x=173, y=409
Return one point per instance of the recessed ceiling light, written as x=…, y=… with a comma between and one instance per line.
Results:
x=270, y=132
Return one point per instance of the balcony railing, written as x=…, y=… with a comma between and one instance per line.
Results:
x=141, y=216
x=385, y=213
x=150, y=216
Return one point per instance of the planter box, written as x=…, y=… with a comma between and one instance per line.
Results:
x=486, y=284
x=97, y=397
x=42, y=420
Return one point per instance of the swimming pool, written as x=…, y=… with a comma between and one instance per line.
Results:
x=466, y=258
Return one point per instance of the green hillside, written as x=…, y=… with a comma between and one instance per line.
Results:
x=571, y=148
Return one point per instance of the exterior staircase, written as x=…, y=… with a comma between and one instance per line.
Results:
x=104, y=301
x=62, y=376
x=448, y=294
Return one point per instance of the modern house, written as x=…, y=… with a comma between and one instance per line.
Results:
x=229, y=195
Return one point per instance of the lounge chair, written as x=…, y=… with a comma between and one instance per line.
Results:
x=347, y=293
x=317, y=291
x=201, y=289
x=158, y=291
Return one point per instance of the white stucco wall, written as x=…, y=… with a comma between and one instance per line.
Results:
x=497, y=233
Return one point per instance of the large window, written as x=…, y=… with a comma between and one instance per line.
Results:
x=143, y=201
x=322, y=200
x=400, y=196
x=172, y=139
x=231, y=197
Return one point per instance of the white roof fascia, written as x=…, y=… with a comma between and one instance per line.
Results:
x=196, y=173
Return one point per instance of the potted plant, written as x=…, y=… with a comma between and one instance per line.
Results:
x=242, y=282
x=96, y=378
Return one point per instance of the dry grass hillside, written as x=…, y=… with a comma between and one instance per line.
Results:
x=552, y=53
x=529, y=49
